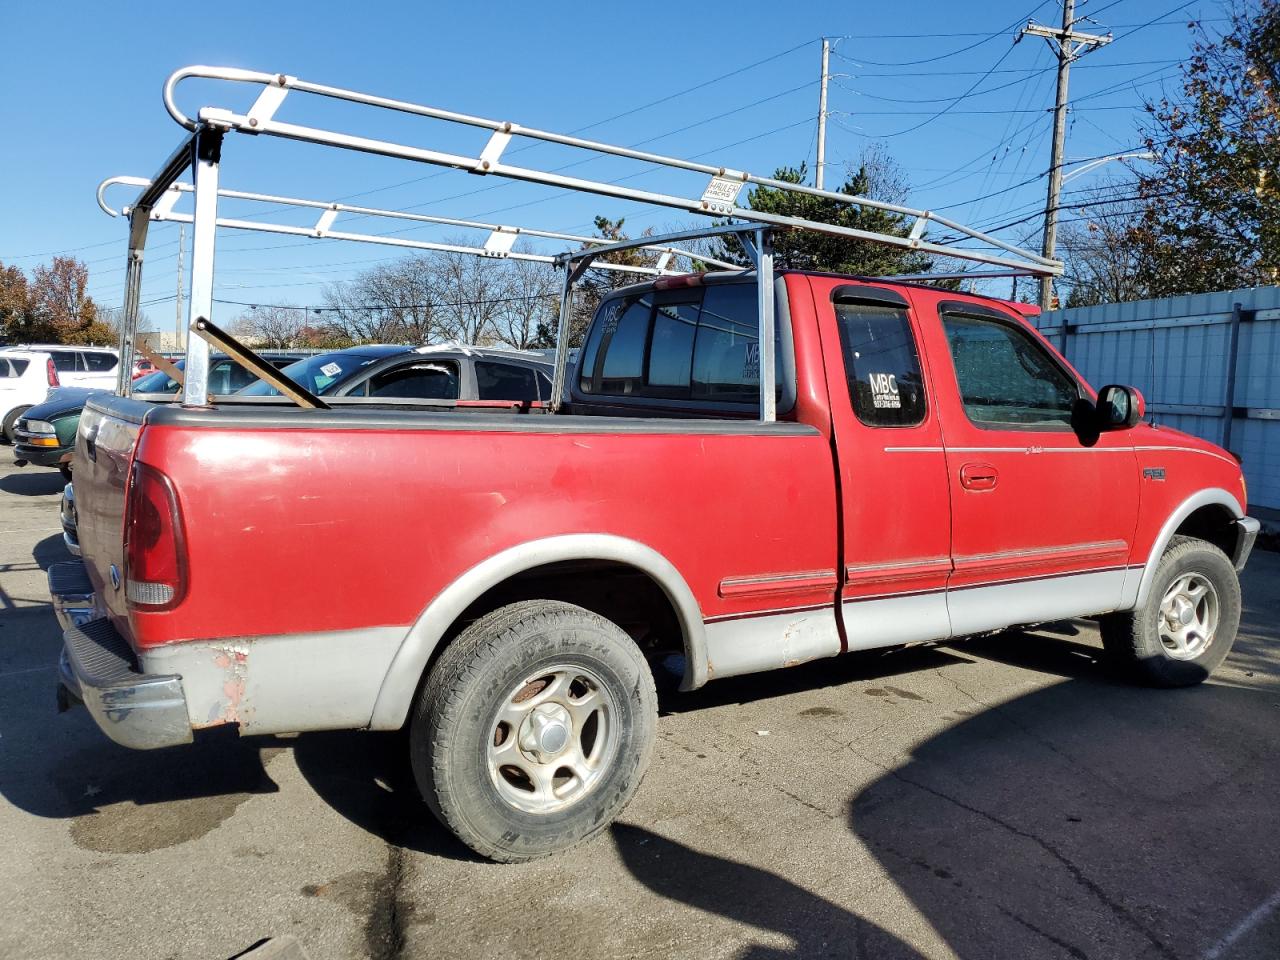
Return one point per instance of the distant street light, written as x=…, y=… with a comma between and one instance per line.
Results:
x=1099, y=161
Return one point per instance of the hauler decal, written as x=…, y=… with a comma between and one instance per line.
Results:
x=884, y=391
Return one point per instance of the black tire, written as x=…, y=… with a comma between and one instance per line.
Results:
x=1132, y=639
x=11, y=421
x=457, y=718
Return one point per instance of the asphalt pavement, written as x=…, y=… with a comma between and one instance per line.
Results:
x=1003, y=797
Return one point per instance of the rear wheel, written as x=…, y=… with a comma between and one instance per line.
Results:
x=1188, y=623
x=11, y=421
x=533, y=729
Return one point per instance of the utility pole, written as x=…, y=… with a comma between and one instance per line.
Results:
x=177, y=321
x=822, y=114
x=1069, y=45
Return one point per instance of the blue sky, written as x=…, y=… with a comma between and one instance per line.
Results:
x=82, y=84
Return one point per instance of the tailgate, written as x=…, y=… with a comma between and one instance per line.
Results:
x=105, y=445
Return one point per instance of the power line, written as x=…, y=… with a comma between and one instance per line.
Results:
x=974, y=73
x=976, y=93
x=385, y=306
x=945, y=56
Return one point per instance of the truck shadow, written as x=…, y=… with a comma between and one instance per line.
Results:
x=366, y=777
x=750, y=895
x=1089, y=818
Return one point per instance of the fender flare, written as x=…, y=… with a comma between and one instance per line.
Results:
x=1213, y=496
x=395, y=696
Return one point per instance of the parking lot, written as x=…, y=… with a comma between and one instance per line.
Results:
x=1002, y=797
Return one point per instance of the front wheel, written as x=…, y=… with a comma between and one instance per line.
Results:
x=534, y=729
x=1188, y=623
x=10, y=423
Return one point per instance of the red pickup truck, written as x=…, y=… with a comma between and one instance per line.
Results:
x=502, y=583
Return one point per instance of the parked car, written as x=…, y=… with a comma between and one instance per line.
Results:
x=142, y=366
x=26, y=377
x=226, y=376
x=504, y=584
x=78, y=366
x=44, y=434
x=440, y=372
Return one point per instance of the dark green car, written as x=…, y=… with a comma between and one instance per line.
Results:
x=45, y=434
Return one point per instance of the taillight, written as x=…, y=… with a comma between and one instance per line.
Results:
x=52, y=373
x=155, y=547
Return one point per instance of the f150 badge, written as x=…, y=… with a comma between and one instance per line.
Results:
x=884, y=391
x=1153, y=473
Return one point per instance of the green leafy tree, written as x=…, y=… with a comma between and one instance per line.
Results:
x=877, y=178
x=595, y=284
x=1212, y=199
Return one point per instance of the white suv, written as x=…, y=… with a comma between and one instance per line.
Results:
x=26, y=377
x=77, y=366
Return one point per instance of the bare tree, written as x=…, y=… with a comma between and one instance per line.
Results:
x=391, y=303
x=1103, y=248
x=272, y=326
x=471, y=293
x=530, y=303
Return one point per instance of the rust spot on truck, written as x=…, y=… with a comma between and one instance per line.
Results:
x=232, y=661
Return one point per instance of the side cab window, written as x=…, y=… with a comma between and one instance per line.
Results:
x=417, y=380
x=1008, y=381
x=881, y=362
x=100, y=362
x=504, y=381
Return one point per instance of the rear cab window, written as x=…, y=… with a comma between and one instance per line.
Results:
x=691, y=351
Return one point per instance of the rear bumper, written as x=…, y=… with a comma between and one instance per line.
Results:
x=74, y=602
x=1246, y=533
x=136, y=710
x=68, y=517
x=98, y=668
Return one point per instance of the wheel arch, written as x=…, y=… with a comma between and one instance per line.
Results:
x=1197, y=513
x=399, y=686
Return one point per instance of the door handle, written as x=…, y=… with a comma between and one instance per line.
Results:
x=978, y=476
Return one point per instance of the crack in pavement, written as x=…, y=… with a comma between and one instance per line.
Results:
x=384, y=927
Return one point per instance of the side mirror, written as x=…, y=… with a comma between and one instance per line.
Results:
x=1119, y=407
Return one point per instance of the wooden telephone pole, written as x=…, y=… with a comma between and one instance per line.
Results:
x=1070, y=45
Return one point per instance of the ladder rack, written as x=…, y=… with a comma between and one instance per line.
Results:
x=500, y=244
x=201, y=151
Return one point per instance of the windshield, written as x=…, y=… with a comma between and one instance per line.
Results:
x=317, y=374
x=158, y=382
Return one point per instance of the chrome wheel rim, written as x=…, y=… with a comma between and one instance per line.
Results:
x=552, y=739
x=1188, y=616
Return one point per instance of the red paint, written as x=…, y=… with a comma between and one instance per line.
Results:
x=292, y=531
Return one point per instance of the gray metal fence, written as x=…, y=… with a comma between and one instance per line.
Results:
x=1208, y=364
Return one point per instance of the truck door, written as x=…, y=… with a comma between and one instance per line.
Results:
x=1042, y=523
x=895, y=517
